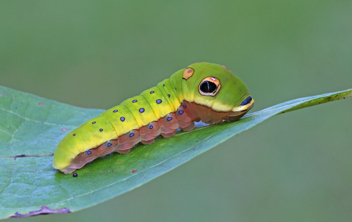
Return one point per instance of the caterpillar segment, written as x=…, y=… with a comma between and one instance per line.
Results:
x=201, y=92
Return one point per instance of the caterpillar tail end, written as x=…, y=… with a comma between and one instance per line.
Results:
x=67, y=170
x=62, y=159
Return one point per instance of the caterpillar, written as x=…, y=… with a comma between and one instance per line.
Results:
x=201, y=92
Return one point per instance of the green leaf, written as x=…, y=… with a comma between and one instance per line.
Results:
x=31, y=127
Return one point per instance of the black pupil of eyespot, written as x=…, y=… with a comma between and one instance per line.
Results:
x=246, y=101
x=207, y=87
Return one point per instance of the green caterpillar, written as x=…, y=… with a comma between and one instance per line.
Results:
x=201, y=92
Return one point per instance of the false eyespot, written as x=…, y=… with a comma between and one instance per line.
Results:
x=187, y=73
x=209, y=86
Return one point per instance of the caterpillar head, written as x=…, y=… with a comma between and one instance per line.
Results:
x=217, y=88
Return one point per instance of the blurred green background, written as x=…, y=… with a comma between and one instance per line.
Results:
x=294, y=167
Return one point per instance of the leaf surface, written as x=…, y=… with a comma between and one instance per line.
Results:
x=31, y=127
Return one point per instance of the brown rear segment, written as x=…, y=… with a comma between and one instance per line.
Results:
x=183, y=118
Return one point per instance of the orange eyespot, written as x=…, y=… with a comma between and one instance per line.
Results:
x=188, y=73
x=209, y=86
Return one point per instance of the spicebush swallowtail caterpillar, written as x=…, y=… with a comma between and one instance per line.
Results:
x=201, y=92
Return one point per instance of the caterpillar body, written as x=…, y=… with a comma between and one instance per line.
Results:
x=201, y=92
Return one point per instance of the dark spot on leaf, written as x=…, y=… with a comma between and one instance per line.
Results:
x=75, y=175
x=43, y=210
x=22, y=155
x=133, y=171
x=26, y=155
